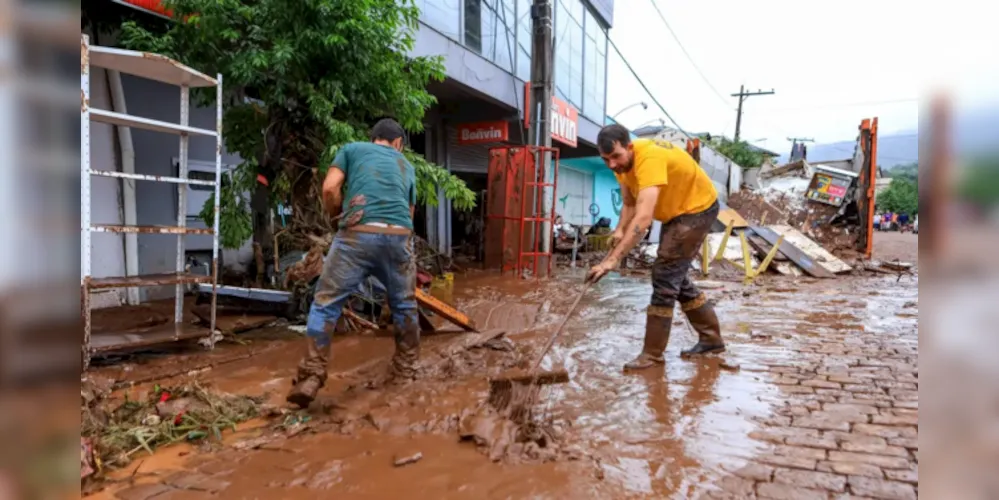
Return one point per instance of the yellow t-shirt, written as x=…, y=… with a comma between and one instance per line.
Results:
x=684, y=186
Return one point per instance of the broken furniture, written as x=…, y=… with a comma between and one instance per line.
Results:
x=162, y=69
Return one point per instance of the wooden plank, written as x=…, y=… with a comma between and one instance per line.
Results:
x=811, y=248
x=447, y=312
x=730, y=214
x=803, y=260
x=761, y=246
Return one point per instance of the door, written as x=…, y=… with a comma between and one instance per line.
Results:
x=574, y=196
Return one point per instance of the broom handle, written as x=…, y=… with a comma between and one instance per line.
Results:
x=561, y=325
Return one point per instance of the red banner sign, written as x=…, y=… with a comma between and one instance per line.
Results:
x=484, y=132
x=151, y=6
x=564, y=118
x=564, y=121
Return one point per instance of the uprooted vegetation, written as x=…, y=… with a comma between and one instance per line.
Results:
x=166, y=415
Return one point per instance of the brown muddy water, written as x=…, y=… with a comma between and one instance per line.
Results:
x=669, y=432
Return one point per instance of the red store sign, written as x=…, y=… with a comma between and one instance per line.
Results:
x=151, y=6
x=564, y=118
x=484, y=132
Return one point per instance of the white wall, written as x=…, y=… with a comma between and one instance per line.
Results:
x=107, y=255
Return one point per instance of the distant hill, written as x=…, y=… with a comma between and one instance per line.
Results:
x=899, y=149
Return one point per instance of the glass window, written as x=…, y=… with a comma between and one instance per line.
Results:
x=594, y=69
x=473, y=25
x=576, y=59
x=563, y=49
x=506, y=45
x=486, y=33
x=442, y=15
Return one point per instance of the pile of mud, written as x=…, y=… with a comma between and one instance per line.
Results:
x=812, y=219
x=496, y=434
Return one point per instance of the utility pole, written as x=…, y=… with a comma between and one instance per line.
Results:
x=743, y=95
x=542, y=89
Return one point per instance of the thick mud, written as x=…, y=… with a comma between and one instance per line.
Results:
x=668, y=432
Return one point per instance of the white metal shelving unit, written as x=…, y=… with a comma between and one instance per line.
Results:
x=166, y=70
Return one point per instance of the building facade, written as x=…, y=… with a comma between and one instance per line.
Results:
x=486, y=46
x=481, y=103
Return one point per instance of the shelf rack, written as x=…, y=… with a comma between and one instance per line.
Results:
x=159, y=68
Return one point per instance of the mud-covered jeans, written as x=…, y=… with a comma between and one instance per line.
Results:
x=353, y=257
x=679, y=242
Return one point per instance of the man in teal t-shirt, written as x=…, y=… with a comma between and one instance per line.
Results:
x=371, y=190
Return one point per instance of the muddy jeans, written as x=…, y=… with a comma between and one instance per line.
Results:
x=353, y=257
x=679, y=241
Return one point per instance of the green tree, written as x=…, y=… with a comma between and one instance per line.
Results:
x=901, y=196
x=301, y=79
x=739, y=152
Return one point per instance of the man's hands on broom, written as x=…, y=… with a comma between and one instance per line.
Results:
x=600, y=270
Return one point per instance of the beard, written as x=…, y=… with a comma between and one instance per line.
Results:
x=627, y=168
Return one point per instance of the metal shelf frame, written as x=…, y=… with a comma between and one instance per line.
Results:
x=162, y=69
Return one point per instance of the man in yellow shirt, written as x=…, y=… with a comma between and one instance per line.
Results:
x=662, y=182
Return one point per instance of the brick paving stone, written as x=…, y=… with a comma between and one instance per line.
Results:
x=755, y=471
x=826, y=442
x=820, y=382
x=845, y=379
x=788, y=461
x=825, y=422
x=876, y=449
x=795, y=389
x=800, y=451
x=880, y=488
x=864, y=409
x=811, y=479
x=787, y=492
x=895, y=419
x=851, y=469
x=906, y=476
x=879, y=460
x=885, y=431
x=910, y=443
x=735, y=487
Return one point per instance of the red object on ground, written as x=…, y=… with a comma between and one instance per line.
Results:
x=263, y=180
x=176, y=420
x=164, y=396
x=423, y=278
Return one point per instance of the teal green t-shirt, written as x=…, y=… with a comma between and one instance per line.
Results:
x=380, y=185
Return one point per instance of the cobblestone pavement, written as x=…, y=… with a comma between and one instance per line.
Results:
x=846, y=422
x=816, y=397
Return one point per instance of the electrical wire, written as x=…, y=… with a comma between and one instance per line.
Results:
x=704, y=77
x=646, y=88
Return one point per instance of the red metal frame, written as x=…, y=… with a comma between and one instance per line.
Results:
x=513, y=159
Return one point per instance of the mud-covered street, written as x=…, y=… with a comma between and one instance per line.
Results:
x=816, y=397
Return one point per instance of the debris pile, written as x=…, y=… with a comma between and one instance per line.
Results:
x=166, y=415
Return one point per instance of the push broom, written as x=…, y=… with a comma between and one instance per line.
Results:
x=521, y=388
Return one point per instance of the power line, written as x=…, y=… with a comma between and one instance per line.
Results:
x=689, y=58
x=646, y=88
